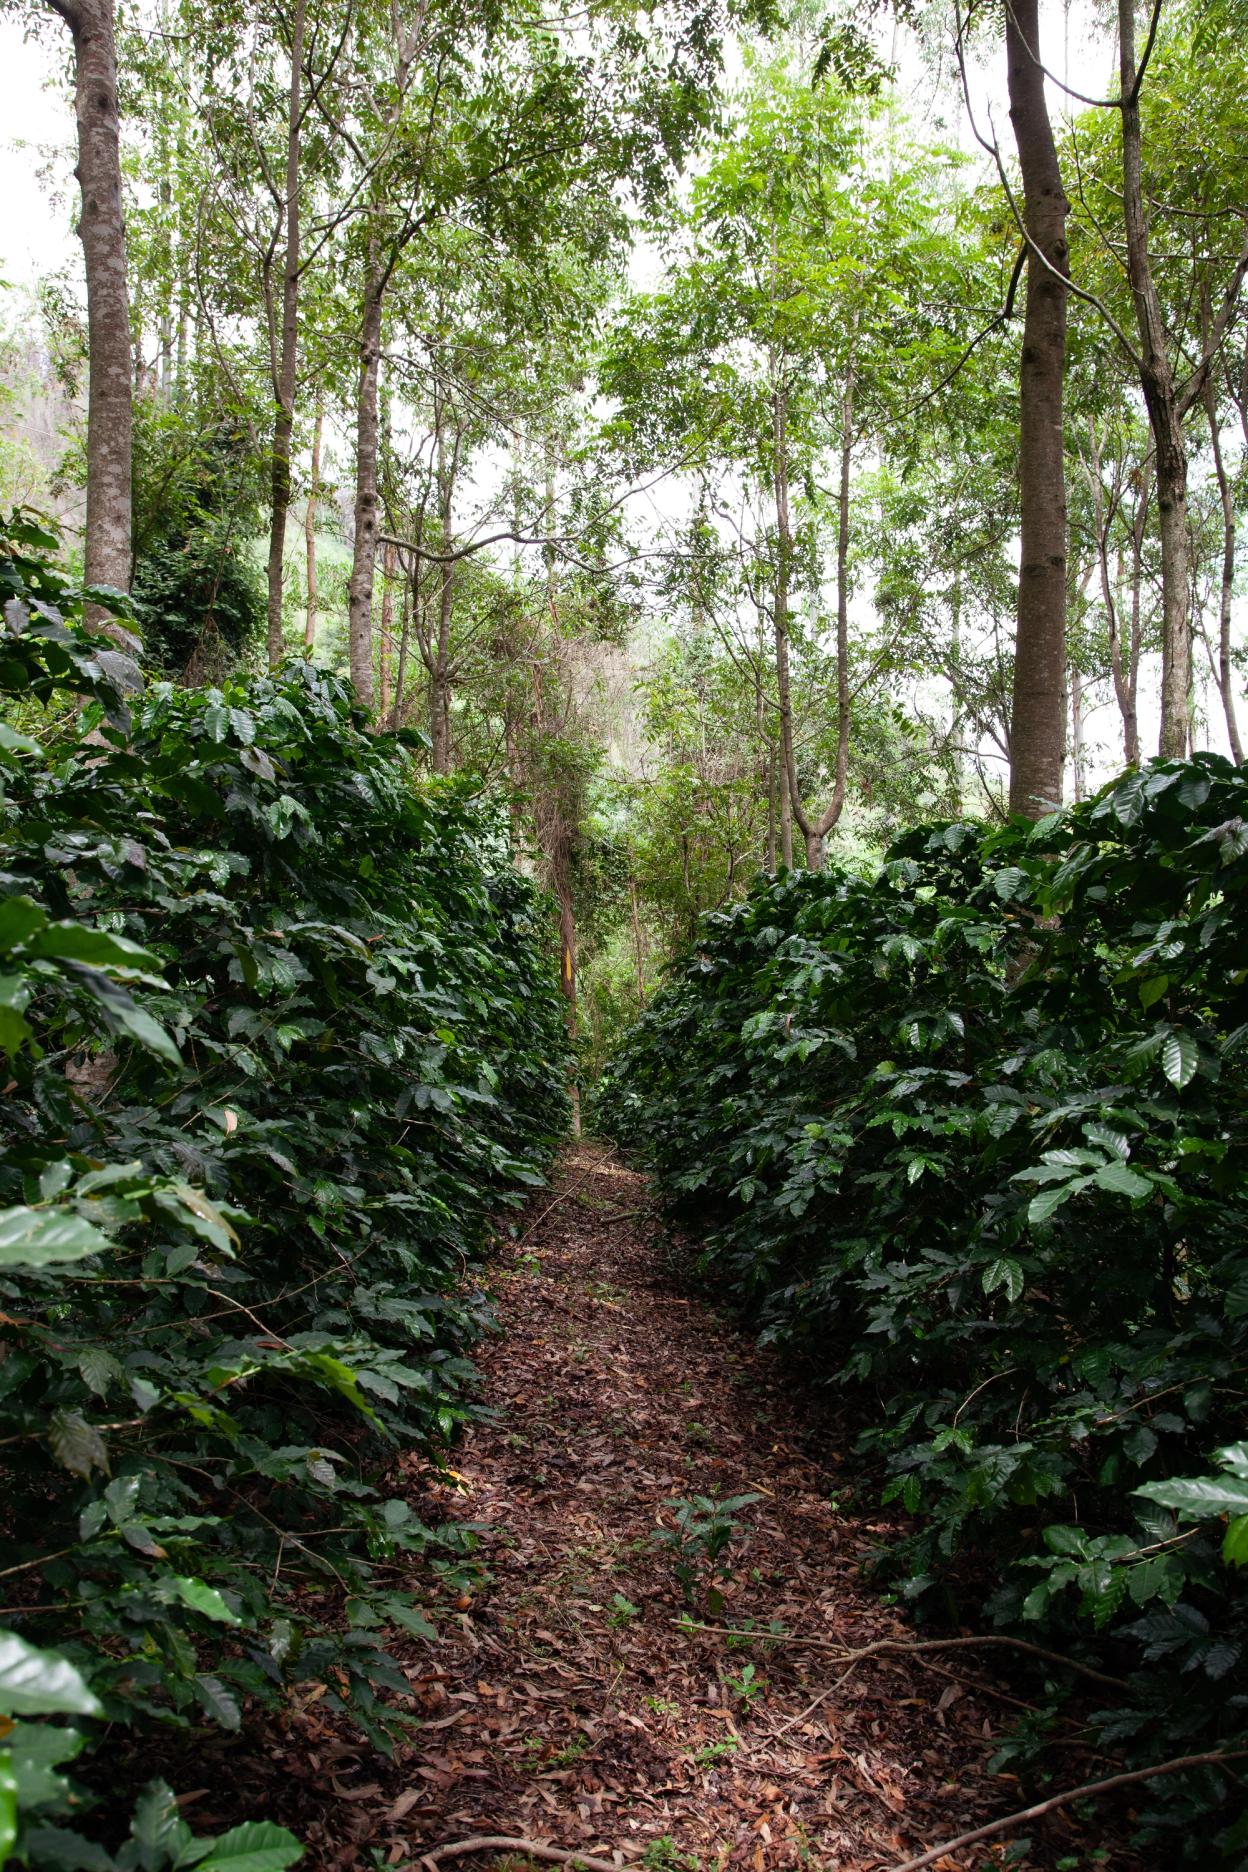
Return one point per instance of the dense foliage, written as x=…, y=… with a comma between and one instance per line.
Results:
x=970, y=1137
x=282, y=1039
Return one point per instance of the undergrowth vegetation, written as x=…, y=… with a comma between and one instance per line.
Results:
x=281, y=1039
x=970, y=1138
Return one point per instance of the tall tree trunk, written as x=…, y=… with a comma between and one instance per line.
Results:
x=387, y=618
x=1076, y=730
x=440, y=667
x=309, y=530
x=1225, y=671
x=1124, y=692
x=639, y=943
x=1135, y=648
x=836, y=805
x=1165, y=419
x=567, y=960
x=285, y=363
x=397, y=711
x=1038, y=703
x=360, y=590
x=164, y=192
x=790, y=802
x=110, y=409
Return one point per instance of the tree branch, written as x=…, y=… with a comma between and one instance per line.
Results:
x=1088, y=1789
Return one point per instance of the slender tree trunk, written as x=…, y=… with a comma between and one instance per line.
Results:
x=1076, y=730
x=791, y=806
x=110, y=408
x=836, y=805
x=387, y=619
x=639, y=947
x=567, y=965
x=767, y=755
x=1136, y=646
x=1225, y=668
x=440, y=669
x=1123, y=692
x=1165, y=419
x=1038, y=704
x=165, y=196
x=400, y=675
x=285, y=364
x=360, y=591
x=309, y=530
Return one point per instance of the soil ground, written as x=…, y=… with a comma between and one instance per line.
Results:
x=565, y=1704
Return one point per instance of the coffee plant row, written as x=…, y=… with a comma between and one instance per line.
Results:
x=281, y=1040
x=971, y=1138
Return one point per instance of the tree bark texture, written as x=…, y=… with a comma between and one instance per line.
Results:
x=440, y=665
x=780, y=621
x=360, y=590
x=101, y=226
x=1164, y=415
x=1225, y=672
x=309, y=531
x=1038, y=702
x=387, y=621
x=285, y=362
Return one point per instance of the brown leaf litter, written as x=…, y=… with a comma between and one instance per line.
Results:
x=566, y=1705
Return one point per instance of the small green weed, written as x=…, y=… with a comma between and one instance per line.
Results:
x=745, y=1685
x=703, y=1532
x=622, y=1612
x=715, y=1752
x=663, y=1855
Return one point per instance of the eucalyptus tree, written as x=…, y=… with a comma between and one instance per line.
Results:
x=496, y=121
x=1037, y=712
x=1160, y=212
x=812, y=285
x=101, y=227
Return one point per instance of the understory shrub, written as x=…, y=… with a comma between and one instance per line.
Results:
x=282, y=1038
x=970, y=1138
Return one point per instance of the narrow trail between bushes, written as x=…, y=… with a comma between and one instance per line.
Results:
x=566, y=1706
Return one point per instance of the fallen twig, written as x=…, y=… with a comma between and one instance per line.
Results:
x=561, y=1197
x=849, y=1655
x=532, y=1849
x=1088, y=1789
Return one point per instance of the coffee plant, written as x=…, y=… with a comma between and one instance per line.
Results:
x=281, y=1042
x=970, y=1137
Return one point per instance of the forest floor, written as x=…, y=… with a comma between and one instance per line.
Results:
x=565, y=1704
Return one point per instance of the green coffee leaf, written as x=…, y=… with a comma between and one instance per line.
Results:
x=41, y=1683
x=36, y=1751
x=203, y=1598
x=1235, y=1543
x=1122, y=1181
x=42, y=1237
x=258, y=1846
x=218, y=1702
x=20, y=917
x=8, y=1806
x=1004, y=1273
x=1179, y=1058
x=76, y=1444
x=75, y=942
x=1194, y=1497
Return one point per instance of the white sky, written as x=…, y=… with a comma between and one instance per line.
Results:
x=36, y=232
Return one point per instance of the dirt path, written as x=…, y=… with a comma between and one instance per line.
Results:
x=569, y=1707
